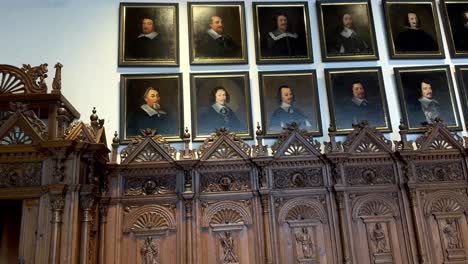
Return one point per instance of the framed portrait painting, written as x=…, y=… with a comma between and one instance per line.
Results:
x=287, y=97
x=151, y=101
x=282, y=32
x=347, y=30
x=149, y=34
x=455, y=16
x=355, y=95
x=427, y=93
x=217, y=33
x=461, y=72
x=220, y=100
x=413, y=29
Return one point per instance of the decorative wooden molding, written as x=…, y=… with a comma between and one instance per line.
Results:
x=223, y=145
x=302, y=209
x=148, y=148
x=150, y=219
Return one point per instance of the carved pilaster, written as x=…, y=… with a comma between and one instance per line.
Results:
x=266, y=228
x=57, y=203
x=86, y=204
x=103, y=210
x=188, y=214
x=346, y=248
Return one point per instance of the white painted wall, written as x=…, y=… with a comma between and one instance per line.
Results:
x=83, y=36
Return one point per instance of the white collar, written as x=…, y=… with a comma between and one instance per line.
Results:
x=153, y=111
x=412, y=28
x=277, y=35
x=426, y=101
x=217, y=107
x=347, y=32
x=213, y=34
x=151, y=35
x=359, y=101
x=287, y=107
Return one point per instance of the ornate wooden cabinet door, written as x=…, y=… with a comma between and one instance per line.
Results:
x=228, y=221
x=374, y=213
x=436, y=173
x=302, y=210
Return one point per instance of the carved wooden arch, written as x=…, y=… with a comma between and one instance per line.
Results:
x=438, y=137
x=224, y=145
x=232, y=212
x=298, y=208
x=445, y=202
x=295, y=143
x=366, y=139
x=149, y=148
x=19, y=129
x=372, y=205
x=150, y=218
x=14, y=80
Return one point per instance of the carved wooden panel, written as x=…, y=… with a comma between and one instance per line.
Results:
x=297, y=178
x=434, y=171
x=370, y=175
x=225, y=182
x=149, y=185
x=20, y=174
x=149, y=235
x=303, y=231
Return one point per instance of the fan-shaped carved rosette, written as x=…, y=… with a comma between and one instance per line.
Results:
x=150, y=220
x=375, y=208
x=302, y=212
x=440, y=143
x=28, y=79
x=16, y=136
x=296, y=149
x=227, y=216
x=224, y=151
x=11, y=83
x=365, y=147
x=148, y=154
x=226, y=212
x=446, y=205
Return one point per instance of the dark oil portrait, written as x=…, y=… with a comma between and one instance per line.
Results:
x=355, y=95
x=426, y=93
x=455, y=15
x=282, y=32
x=220, y=100
x=287, y=97
x=151, y=101
x=148, y=34
x=217, y=33
x=462, y=83
x=347, y=31
x=413, y=29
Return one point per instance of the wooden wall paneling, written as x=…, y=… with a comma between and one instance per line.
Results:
x=29, y=230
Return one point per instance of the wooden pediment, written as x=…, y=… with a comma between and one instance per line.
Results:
x=366, y=139
x=222, y=146
x=22, y=127
x=438, y=137
x=149, y=148
x=293, y=142
x=80, y=131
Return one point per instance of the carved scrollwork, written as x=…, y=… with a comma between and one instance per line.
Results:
x=160, y=184
x=222, y=182
x=28, y=79
x=439, y=171
x=20, y=174
x=226, y=212
x=369, y=176
x=287, y=178
x=224, y=150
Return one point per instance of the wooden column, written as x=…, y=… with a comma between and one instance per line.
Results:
x=86, y=204
x=348, y=258
x=422, y=256
x=57, y=202
x=188, y=216
x=266, y=228
x=103, y=210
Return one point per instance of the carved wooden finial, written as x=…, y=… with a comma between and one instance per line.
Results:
x=332, y=128
x=186, y=133
x=116, y=139
x=222, y=131
x=94, y=119
x=402, y=125
x=115, y=146
x=57, y=83
x=259, y=131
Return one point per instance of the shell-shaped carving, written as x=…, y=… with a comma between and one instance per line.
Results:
x=150, y=220
x=440, y=143
x=296, y=149
x=302, y=212
x=224, y=151
x=226, y=216
x=148, y=154
x=10, y=83
x=375, y=208
x=16, y=136
x=446, y=205
x=367, y=147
